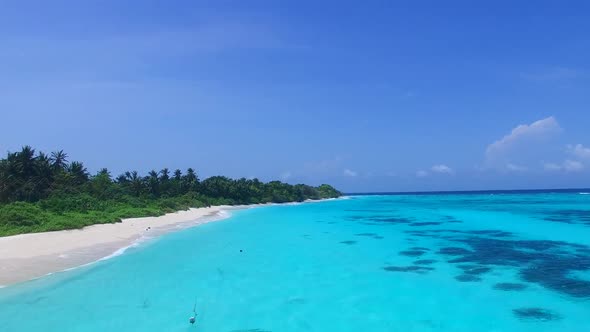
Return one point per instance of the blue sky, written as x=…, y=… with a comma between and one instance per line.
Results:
x=368, y=96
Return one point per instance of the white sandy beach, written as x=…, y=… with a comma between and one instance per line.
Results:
x=28, y=256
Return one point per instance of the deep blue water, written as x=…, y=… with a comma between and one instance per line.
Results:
x=419, y=262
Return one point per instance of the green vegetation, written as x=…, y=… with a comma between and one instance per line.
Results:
x=40, y=192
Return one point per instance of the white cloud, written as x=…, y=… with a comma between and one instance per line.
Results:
x=421, y=174
x=572, y=166
x=579, y=155
x=579, y=151
x=444, y=169
x=515, y=168
x=286, y=175
x=552, y=167
x=348, y=172
x=535, y=130
x=567, y=166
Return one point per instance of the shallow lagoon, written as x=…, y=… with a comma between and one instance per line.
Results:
x=469, y=262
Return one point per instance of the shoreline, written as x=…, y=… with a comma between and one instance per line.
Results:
x=25, y=257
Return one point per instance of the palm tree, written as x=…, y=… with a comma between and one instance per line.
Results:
x=136, y=182
x=177, y=175
x=190, y=181
x=164, y=174
x=43, y=177
x=104, y=172
x=4, y=178
x=121, y=179
x=24, y=162
x=176, y=183
x=165, y=183
x=78, y=172
x=153, y=183
x=101, y=184
x=20, y=170
x=59, y=160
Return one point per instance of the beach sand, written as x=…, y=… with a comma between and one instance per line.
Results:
x=28, y=256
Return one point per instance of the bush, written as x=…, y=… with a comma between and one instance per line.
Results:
x=80, y=203
x=22, y=214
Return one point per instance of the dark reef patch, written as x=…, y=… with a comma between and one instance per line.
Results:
x=392, y=220
x=371, y=235
x=426, y=223
x=535, y=314
x=474, y=270
x=454, y=251
x=491, y=233
x=453, y=221
x=509, y=286
x=354, y=218
x=349, y=242
x=553, y=265
x=467, y=278
x=411, y=268
x=432, y=233
x=365, y=210
x=554, y=274
x=412, y=253
x=544, y=262
x=569, y=216
x=380, y=220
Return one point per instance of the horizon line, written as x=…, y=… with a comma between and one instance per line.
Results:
x=466, y=191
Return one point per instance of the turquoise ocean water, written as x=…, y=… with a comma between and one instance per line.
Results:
x=448, y=262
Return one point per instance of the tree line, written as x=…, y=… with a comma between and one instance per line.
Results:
x=40, y=191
